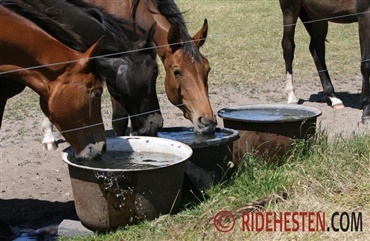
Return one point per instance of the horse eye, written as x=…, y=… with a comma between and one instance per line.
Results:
x=177, y=73
x=96, y=93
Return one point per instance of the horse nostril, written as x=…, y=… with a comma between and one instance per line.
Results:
x=205, y=125
x=206, y=122
x=203, y=121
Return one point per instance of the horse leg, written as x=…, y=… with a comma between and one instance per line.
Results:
x=363, y=7
x=119, y=118
x=2, y=107
x=48, y=143
x=8, y=89
x=290, y=16
x=5, y=230
x=317, y=49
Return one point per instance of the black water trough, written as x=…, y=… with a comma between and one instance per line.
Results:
x=211, y=161
x=268, y=130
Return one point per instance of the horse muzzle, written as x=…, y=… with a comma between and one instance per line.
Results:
x=149, y=126
x=205, y=126
x=92, y=151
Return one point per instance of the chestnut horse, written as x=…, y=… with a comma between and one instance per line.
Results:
x=69, y=90
x=315, y=15
x=130, y=76
x=186, y=68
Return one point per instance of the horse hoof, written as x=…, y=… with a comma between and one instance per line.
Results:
x=294, y=102
x=338, y=106
x=49, y=146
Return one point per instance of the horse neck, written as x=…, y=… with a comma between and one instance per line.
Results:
x=38, y=42
x=147, y=19
x=75, y=19
x=80, y=21
x=122, y=8
x=35, y=48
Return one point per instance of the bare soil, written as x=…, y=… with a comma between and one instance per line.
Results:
x=34, y=184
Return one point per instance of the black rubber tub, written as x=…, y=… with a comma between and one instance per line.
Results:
x=268, y=130
x=212, y=157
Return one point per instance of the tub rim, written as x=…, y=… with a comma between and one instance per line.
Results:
x=315, y=112
x=109, y=142
x=234, y=135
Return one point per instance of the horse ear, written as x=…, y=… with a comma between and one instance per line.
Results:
x=91, y=52
x=174, y=37
x=201, y=36
x=147, y=39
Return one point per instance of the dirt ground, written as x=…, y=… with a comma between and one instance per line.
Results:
x=35, y=186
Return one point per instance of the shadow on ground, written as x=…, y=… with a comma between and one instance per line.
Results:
x=350, y=100
x=35, y=218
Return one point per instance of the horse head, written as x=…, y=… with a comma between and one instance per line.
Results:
x=186, y=81
x=133, y=86
x=73, y=105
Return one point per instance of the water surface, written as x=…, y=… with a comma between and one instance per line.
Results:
x=188, y=136
x=131, y=160
x=276, y=114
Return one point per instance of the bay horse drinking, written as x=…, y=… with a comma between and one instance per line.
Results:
x=186, y=81
x=69, y=90
x=315, y=15
x=130, y=76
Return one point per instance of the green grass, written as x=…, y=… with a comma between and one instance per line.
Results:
x=329, y=177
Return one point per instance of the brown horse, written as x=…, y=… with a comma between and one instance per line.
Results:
x=70, y=94
x=186, y=68
x=130, y=76
x=315, y=15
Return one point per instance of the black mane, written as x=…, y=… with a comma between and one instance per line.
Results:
x=40, y=12
x=29, y=10
x=171, y=12
x=119, y=28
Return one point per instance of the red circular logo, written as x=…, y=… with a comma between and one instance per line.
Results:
x=224, y=221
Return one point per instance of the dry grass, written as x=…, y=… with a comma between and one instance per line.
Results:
x=244, y=43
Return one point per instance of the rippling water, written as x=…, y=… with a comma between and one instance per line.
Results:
x=131, y=160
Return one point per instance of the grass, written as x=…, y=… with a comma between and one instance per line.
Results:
x=21, y=110
x=329, y=177
x=244, y=43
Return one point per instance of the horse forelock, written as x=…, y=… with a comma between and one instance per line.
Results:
x=172, y=13
x=193, y=51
